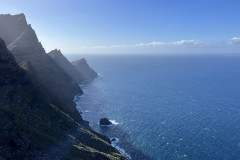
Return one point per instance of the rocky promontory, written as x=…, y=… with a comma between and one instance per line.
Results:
x=38, y=119
x=23, y=43
x=84, y=69
x=63, y=63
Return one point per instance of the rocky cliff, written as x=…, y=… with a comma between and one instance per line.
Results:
x=32, y=128
x=22, y=41
x=38, y=119
x=84, y=69
x=62, y=62
x=7, y=64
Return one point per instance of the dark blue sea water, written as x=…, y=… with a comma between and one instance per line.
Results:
x=167, y=107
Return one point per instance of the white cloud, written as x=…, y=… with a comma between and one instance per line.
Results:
x=154, y=43
x=183, y=46
x=177, y=43
x=234, y=40
x=186, y=42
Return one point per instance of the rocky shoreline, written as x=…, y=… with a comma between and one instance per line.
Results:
x=103, y=122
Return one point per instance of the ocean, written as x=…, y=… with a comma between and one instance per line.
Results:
x=176, y=107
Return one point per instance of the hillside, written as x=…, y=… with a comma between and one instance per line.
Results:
x=33, y=128
x=22, y=41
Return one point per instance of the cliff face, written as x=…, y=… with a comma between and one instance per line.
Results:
x=79, y=70
x=7, y=63
x=84, y=69
x=13, y=25
x=33, y=128
x=22, y=41
x=5, y=56
x=62, y=62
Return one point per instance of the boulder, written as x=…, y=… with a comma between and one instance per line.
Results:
x=105, y=122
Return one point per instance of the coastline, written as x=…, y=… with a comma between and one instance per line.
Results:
x=114, y=143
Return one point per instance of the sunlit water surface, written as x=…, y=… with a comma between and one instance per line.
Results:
x=167, y=107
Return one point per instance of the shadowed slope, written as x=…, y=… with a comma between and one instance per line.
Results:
x=62, y=62
x=33, y=128
x=28, y=52
x=86, y=71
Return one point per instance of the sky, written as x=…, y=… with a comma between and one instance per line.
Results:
x=133, y=26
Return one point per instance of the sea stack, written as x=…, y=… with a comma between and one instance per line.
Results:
x=105, y=122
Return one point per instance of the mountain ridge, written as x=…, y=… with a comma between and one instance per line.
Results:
x=62, y=61
x=25, y=47
x=82, y=66
x=36, y=121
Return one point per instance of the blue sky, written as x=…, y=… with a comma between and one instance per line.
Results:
x=132, y=26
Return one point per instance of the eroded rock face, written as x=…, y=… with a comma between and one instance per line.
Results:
x=11, y=27
x=23, y=43
x=5, y=57
x=63, y=62
x=9, y=69
x=84, y=69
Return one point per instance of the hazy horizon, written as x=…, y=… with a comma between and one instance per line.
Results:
x=112, y=27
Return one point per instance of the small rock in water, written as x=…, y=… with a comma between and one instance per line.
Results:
x=114, y=139
x=105, y=122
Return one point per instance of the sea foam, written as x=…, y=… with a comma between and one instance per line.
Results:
x=114, y=122
x=121, y=150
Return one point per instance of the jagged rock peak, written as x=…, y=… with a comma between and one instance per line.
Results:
x=82, y=60
x=63, y=63
x=15, y=31
x=19, y=17
x=84, y=69
x=56, y=52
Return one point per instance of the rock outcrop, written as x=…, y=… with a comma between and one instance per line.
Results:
x=8, y=67
x=63, y=63
x=105, y=122
x=12, y=26
x=84, y=69
x=22, y=41
x=5, y=56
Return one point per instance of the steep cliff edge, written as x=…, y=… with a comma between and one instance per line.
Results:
x=13, y=25
x=86, y=71
x=62, y=62
x=22, y=41
x=9, y=70
x=78, y=70
x=32, y=128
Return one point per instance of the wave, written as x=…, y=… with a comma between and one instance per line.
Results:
x=110, y=125
x=121, y=150
x=114, y=122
